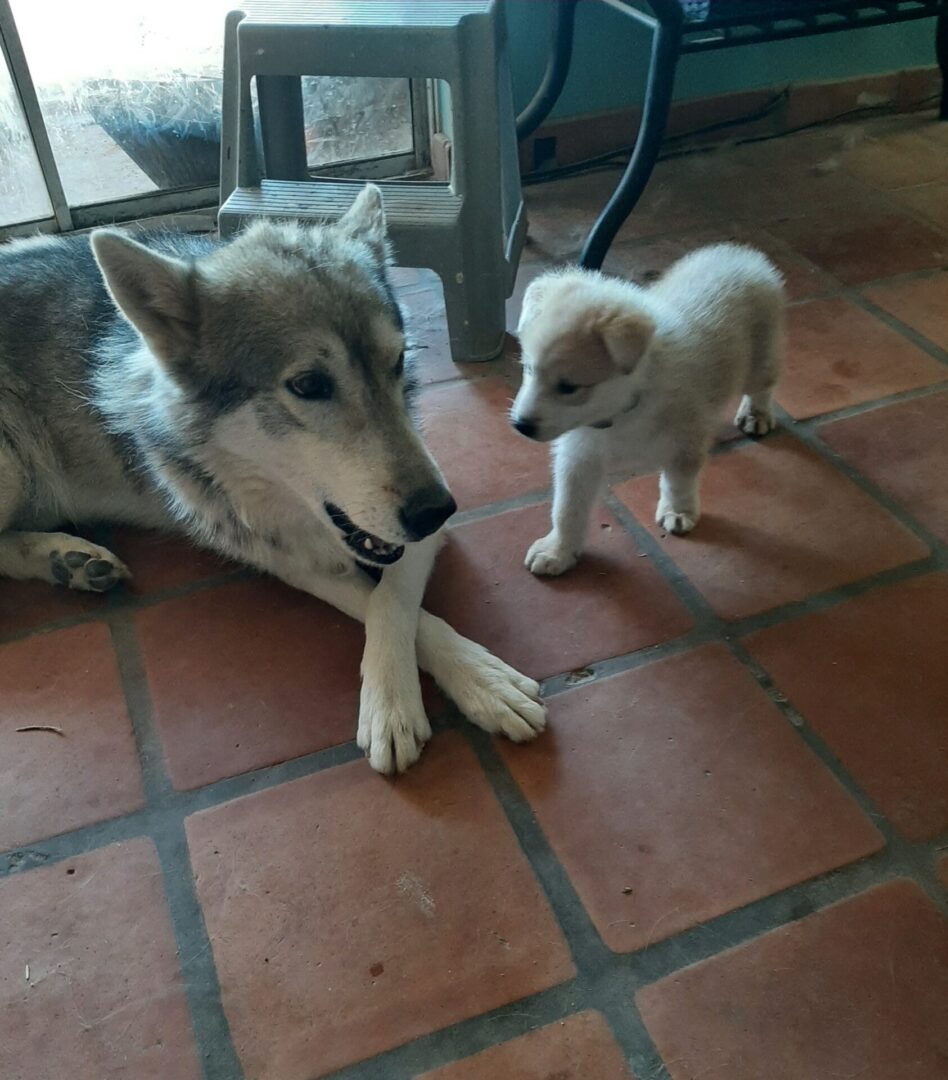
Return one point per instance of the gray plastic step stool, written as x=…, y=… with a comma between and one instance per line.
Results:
x=470, y=231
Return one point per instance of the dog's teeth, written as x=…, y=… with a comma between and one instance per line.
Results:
x=367, y=544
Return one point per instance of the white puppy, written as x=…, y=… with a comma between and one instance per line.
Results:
x=610, y=368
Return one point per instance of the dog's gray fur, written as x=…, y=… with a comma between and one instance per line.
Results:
x=150, y=384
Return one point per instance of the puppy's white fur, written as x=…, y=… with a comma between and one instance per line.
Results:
x=612, y=369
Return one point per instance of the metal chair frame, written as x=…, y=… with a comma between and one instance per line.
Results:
x=729, y=23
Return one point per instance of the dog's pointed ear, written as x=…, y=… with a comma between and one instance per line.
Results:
x=365, y=221
x=156, y=293
x=534, y=298
x=626, y=334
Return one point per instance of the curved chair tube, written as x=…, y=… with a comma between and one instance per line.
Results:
x=557, y=68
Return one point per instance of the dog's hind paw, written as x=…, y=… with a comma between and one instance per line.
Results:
x=547, y=558
x=754, y=420
x=393, y=729
x=86, y=567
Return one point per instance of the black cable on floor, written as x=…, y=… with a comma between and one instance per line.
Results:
x=617, y=159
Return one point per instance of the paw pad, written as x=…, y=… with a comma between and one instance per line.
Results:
x=86, y=571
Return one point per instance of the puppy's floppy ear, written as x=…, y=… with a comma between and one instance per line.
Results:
x=534, y=298
x=365, y=221
x=156, y=293
x=626, y=335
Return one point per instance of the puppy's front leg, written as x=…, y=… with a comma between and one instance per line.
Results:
x=578, y=471
x=677, y=511
x=393, y=726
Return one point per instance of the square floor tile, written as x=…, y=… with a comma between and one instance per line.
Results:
x=614, y=601
x=483, y=459
x=644, y=261
x=779, y=524
x=856, y=990
x=89, y=980
x=930, y=201
x=426, y=332
x=25, y=605
x=903, y=449
x=349, y=914
x=580, y=1047
x=869, y=677
x=562, y=212
x=865, y=242
x=248, y=675
x=838, y=355
x=52, y=783
x=161, y=561
x=676, y=792
x=921, y=303
x=898, y=161
x=789, y=179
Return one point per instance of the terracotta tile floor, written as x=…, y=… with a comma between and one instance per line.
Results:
x=726, y=859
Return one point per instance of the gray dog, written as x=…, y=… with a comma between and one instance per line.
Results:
x=252, y=395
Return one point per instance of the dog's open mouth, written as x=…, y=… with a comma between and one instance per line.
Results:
x=366, y=547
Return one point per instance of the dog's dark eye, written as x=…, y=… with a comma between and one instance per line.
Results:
x=400, y=366
x=564, y=387
x=311, y=385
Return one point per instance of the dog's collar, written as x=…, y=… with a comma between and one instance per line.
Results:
x=603, y=424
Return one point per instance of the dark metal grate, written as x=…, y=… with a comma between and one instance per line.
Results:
x=717, y=24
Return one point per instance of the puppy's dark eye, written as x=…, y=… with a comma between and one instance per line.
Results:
x=311, y=386
x=400, y=366
x=564, y=387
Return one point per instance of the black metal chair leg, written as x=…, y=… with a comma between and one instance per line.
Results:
x=282, y=132
x=658, y=94
x=941, y=52
x=557, y=68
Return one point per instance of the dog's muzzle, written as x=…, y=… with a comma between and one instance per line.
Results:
x=366, y=547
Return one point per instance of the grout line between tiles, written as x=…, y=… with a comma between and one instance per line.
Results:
x=216, y=1050
x=903, y=329
x=859, y=409
x=605, y=981
x=810, y=438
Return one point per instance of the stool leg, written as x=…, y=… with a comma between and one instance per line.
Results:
x=658, y=94
x=476, y=314
x=282, y=131
x=230, y=107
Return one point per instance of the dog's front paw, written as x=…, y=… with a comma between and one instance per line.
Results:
x=493, y=695
x=548, y=558
x=677, y=522
x=393, y=727
x=753, y=420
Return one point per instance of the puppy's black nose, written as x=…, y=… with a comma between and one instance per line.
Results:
x=426, y=511
x=525, y=426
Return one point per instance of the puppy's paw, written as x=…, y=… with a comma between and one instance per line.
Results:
x=86, y=567
x=677, y=522
x=493, y=695
x=393, y=727
x=756, y=421
x=548, y=558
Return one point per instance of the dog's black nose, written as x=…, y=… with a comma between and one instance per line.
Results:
x=525, y=426
x=426, y=511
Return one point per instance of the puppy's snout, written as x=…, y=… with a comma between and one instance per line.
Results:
x=526, y=426
x=425, y=511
